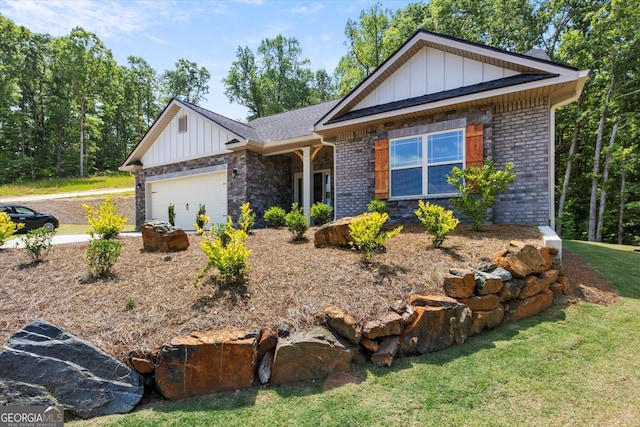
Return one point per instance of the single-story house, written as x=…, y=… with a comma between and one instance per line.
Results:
x=437, y=102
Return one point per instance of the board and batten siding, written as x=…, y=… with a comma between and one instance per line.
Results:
x=202, y=138
x=432, y=71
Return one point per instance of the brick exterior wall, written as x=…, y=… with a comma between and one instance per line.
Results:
x=521, y=136
x=267, y=184
x=355, y=160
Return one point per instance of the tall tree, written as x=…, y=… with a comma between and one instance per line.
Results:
x=276, y=78
x=187, y=82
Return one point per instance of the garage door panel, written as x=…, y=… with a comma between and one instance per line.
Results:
x=187, y=194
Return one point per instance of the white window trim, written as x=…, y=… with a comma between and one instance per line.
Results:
x=425, y=165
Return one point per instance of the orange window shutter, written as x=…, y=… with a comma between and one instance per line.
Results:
x=382, y=169
x=474, y=146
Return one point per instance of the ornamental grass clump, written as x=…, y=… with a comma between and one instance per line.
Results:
x=438, y=221
x=230, y=259
x=105, y=220
x=478, y=188
x=274, y=216
x=7, y=228
x=367, y=235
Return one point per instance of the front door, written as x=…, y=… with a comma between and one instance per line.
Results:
x=322, y=188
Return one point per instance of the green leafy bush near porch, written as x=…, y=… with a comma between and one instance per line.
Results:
x=320, y=213
x=377, y=205
x=7, y=228
x=274, y=216
x=438, y=221
x=367, y=235
x=478, y=188
x=296, y=222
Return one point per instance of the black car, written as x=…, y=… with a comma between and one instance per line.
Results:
x=30, y=218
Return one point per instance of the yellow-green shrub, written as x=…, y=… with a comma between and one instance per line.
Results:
x=367, y=235
x=231, y=260
x=105, y=220
x=7, y=228
x=438, y=221
x=247, y=218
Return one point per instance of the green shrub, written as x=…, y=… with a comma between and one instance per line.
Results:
x=478, y=188
x=367, y=235
x=377, y=205
x=172, y=214
x=220, y=231
x=320, y=213
x=438, y=221
x=37, y=243
x=274, y=216
x=231, y=260
x=105, y=221
x=296, y=222
x=247, y=219
x=102, y=255
x=7, y=228
x=201, y=218
x=130, y=302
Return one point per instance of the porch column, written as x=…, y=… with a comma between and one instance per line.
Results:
x=307, y=174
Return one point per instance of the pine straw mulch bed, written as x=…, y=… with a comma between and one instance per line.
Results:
x=288, y=284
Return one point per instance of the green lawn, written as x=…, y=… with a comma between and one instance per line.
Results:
x=67, y=185
x=573, y=365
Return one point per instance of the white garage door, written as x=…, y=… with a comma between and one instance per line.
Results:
x=186, y=193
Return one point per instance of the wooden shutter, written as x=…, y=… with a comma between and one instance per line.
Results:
x=382, y=169
x=474, y=146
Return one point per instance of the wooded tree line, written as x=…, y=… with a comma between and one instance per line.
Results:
x=63, y=96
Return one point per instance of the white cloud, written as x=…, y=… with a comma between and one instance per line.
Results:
x=305, y=10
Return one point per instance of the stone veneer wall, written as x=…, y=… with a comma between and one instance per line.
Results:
x=355, y=161
x=521, y=136
x=268, y=183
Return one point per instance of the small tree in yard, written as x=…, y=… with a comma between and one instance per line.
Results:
x=7, y=228
x=105, y=220
x=438, y=221
x=478, y=188
x=230, y=259
x=367, y=235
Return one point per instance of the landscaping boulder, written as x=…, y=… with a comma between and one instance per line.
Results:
x=536, y=283
x=484, y=320
x=206, y=363
x=42, y=364
x=341, y=323
x=335, y=233
x=418, y=300
x=162, y=236
x=459, y=284
x=390, y=323
x=482, y=302
x=511, y=289
x=386, y=351
x=522, y=309
x=436, y=328
x=308, y=355
x=267, y=342
x=520, y=259
x=487, y=283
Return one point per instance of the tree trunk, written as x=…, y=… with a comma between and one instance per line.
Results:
x=567, y=171
x=622, y=202
x=596, y=163
x=605, y=177
x=82, y=113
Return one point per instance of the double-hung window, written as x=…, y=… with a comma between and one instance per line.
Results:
x=420, y=164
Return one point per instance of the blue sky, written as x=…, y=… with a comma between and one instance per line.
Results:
x=205, y=31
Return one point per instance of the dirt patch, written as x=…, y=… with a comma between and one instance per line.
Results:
x=589, y=285
x=69, y=211
x=288, y=284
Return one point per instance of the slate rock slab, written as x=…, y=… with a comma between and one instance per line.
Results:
x=60, y=368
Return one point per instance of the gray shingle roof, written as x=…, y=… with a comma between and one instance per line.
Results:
x=278, y=127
